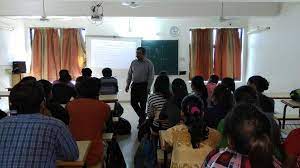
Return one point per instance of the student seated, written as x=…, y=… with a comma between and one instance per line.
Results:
x=229, y=83
x=85, y=74
x=199, y=89
x=210, y=86
x=157, y=100
x=222, y=103
x=246, y=94
x=30, y=139
x=65, y=78
x=172, y=108
x=292, y=149
x=54, y=108
x=192, y=140
x=248, y=132
x=108, y=84
x=62, y=93
x=260, y=84
x=87, y=118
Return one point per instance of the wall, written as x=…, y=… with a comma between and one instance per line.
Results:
x=275, y=53
x=12, y=49
x=146, y=28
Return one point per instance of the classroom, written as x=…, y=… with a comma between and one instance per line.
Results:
x=188, y=44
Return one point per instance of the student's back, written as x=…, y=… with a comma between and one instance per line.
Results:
x=34, y=140
x=108, y=84
x=87, y=118
x=62, y=93
x=31, y=139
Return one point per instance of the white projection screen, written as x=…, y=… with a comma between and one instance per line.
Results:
x=115, y=53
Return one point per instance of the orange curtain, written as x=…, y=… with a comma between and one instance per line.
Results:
x=45, y=54
x=73, y=51
x=228, y=53
x=201, y=61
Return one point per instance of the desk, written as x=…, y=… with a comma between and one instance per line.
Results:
x=112, y=106
x=278, y=95
x=293, y=104
x=4, y=93
x=83, y=147
x=108, y=98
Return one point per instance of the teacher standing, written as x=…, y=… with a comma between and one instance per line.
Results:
x=140, y=76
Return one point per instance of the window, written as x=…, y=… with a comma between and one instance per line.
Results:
x=216, y=51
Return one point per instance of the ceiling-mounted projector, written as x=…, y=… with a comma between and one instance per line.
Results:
x=97, y=17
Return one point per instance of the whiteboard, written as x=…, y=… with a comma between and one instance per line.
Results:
x=115, y=53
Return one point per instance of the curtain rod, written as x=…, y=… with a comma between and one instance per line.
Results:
x=217, y=28
x=59, y=27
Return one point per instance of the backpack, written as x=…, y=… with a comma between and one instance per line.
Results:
x=115, y=158
x=119, y=110
x=122, y=127
x=145, y=155
x=295, y=95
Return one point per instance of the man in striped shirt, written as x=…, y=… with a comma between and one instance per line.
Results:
x=31, y=139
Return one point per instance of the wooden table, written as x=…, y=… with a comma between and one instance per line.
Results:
x=109, y=98
x=83, y=147
x=112, y=106
x=289, y=103
x=278, y=95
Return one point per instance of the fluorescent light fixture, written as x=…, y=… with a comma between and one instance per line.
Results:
x=259, y=29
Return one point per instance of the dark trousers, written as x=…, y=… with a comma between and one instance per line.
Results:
x=139, y=99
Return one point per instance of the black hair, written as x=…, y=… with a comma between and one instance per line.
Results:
x=2, y=114
x=214, y=79
x=223, y=97
x=179, y=90
x=248, y=130
x=107, y=72
x=192, y=108
x=142, y=49
x=261, y=83
x=47, y=86
x=89, y=88
x=64, y=76
x=229, y=82
x=246, y=94
x=26, y=97
x=162, y=86
x=199, y=86
x=86, y=72
x=163, y=73
x=28, y=79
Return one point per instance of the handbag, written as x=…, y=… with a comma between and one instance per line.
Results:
x=295, y=95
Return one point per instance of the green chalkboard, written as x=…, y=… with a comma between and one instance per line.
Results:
x=163, y=54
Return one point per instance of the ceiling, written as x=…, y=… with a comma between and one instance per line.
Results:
x=148, y=8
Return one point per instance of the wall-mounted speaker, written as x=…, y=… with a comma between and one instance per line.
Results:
x=19, y=67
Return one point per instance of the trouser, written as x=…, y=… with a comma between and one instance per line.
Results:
x=139, y=99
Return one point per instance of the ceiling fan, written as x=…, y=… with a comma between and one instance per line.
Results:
x=131, y=4
x=222, y=18
x=44, y=16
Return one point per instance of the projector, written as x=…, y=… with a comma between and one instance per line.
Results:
x=97, y=17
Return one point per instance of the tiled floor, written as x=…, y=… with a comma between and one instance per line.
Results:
x=129, y=143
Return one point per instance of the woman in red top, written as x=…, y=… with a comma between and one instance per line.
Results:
x=87, y=118
x=292, y=148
